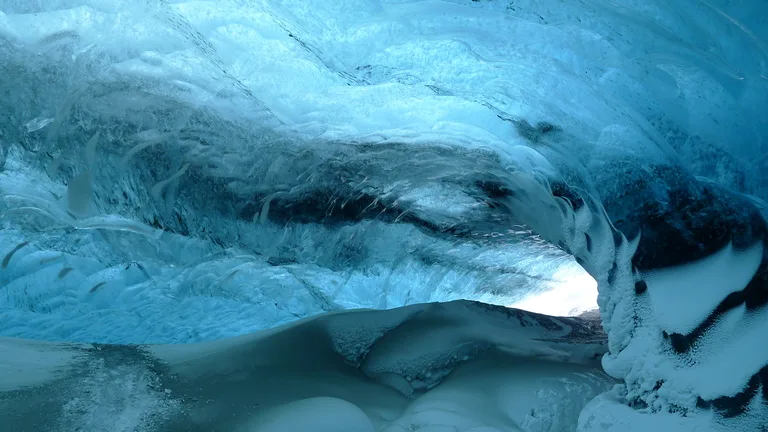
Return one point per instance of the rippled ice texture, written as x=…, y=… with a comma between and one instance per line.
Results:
x=214, y=81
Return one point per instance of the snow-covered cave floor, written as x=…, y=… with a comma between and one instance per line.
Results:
x=458, y=366
x=451, y=367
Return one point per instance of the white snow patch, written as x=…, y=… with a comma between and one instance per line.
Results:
x=683, y=296
x=319, y=414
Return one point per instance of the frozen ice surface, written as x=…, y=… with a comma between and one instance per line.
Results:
x=185, y=171
x=155, y=287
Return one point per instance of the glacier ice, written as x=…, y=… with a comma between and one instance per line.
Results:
x=233, y=180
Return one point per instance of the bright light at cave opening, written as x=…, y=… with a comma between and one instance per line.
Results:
x=572, y=292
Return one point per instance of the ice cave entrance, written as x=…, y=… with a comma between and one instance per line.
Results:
x=536, y=276
x=570, y=291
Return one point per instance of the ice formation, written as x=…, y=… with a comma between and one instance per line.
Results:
x=246, y=214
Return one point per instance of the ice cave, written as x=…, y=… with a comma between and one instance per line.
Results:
x=384, y=215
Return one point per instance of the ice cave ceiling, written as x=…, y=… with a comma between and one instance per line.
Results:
x=246, y=214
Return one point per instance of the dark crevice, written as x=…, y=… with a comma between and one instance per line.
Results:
x=641, y=287
x=562, y=190
x=533, y=133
